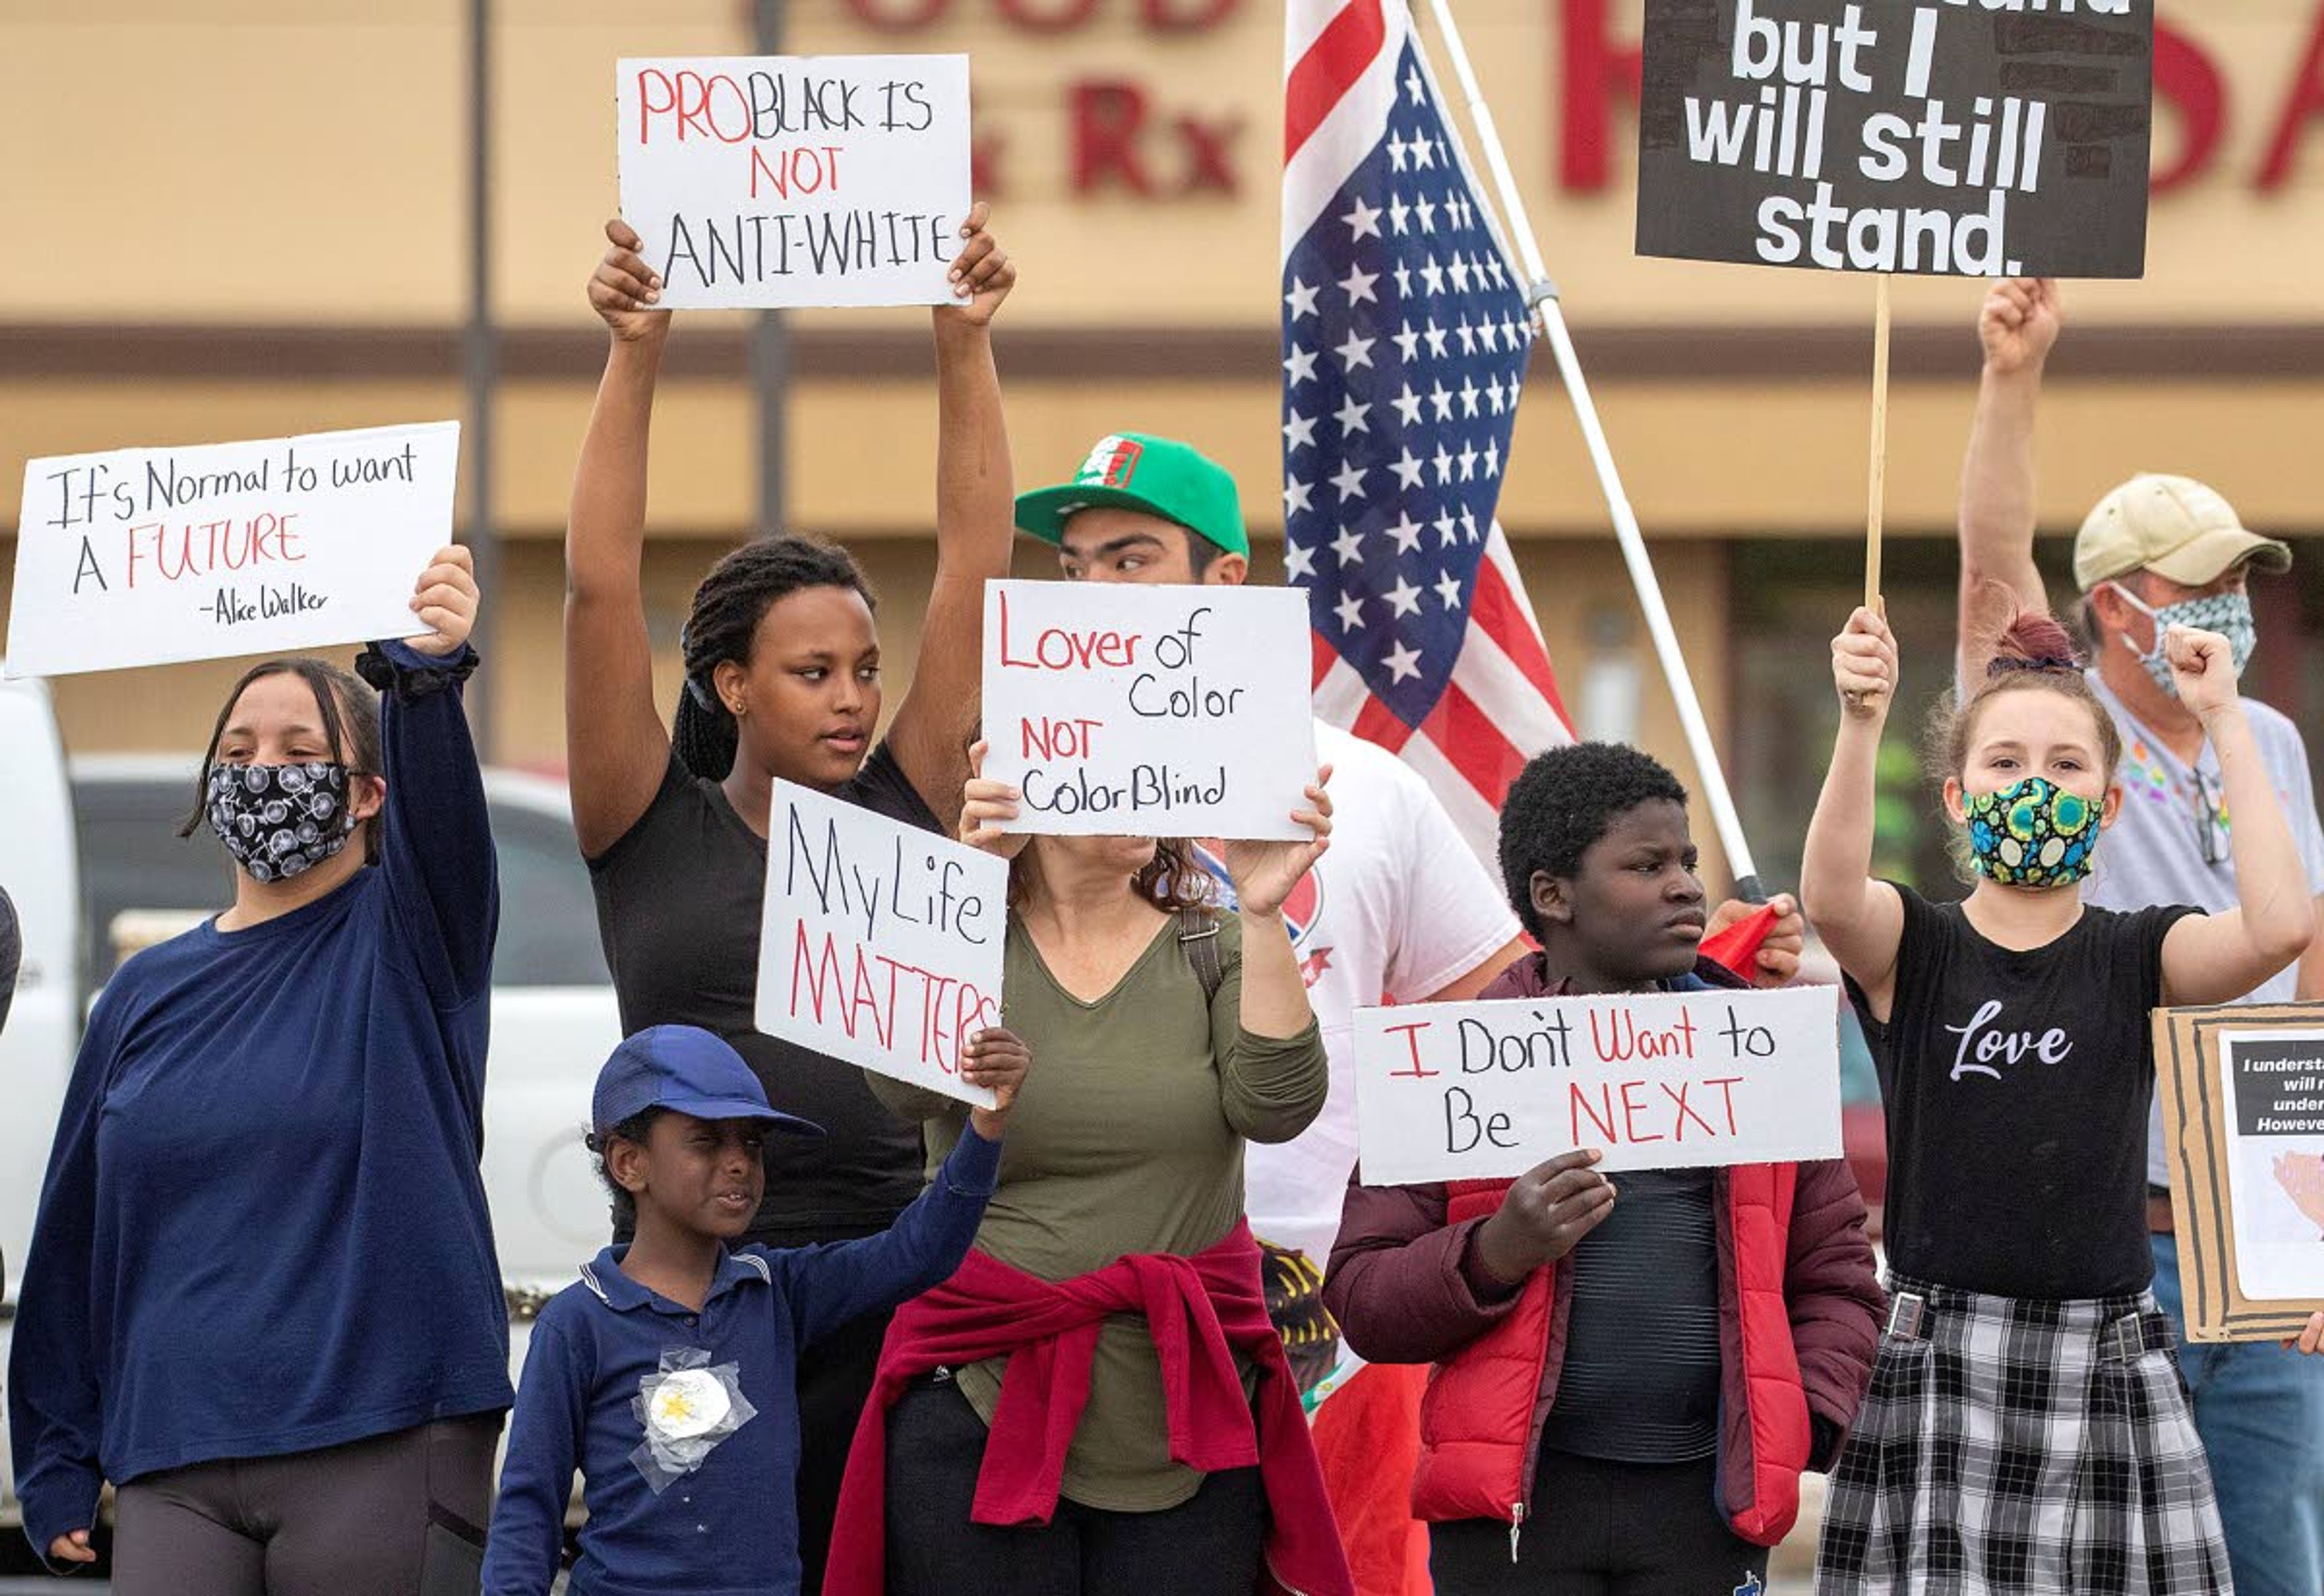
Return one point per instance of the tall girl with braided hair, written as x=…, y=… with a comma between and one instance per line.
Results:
x=782, y=679
x=2026, y=1429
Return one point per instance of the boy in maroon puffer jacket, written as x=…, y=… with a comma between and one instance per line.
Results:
x=1636, y=1380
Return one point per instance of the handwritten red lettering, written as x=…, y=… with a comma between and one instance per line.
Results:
x=1411, y=1035
x=1048, y=739
x=1059, y=648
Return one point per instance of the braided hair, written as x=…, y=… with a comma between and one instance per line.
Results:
x=724, y=623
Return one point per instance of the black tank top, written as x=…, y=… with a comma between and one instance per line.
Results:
x=680, y=899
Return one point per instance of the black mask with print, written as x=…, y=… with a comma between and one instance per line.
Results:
x=280, y=821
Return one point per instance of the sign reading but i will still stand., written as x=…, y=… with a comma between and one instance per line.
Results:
x=153, y=556
x=1969, y=137
x=881, y=943
x=1657, y=1080
x=775, y=181
x=1125, y=710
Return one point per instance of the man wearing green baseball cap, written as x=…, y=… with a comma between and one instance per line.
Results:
x=2158, y=552
x=1127, y=512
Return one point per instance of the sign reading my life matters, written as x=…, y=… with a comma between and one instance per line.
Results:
x=1657, y=1080
x=773, y=180
x=881, y=943
x=1961, y=137
x=1122, y=709
x=151, y=556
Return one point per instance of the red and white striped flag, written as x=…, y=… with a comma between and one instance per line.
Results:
x=1405, y=341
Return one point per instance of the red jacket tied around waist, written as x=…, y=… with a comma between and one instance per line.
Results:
x=1201, y=1311
x=1799, y=1323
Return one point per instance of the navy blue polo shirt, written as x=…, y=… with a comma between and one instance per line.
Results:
x=685, y=1426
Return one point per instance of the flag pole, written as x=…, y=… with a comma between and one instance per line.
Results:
x=1541, y=296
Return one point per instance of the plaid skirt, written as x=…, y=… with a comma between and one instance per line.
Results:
x=2022, y=1448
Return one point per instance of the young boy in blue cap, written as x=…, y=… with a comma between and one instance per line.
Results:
x=666, y=1374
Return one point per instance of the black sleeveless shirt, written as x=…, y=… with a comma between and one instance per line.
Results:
x=680, y=899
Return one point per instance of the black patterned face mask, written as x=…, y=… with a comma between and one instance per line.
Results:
x=280, y=821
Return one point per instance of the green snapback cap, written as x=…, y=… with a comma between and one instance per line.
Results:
x=1135, y=471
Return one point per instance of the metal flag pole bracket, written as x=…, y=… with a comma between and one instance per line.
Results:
x=1546, y=304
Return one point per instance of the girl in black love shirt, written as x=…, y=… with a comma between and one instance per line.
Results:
x=2026, y=1430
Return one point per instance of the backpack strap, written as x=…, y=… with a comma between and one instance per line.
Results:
x=1198, y=933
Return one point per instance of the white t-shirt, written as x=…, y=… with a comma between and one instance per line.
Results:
x=1396, y=909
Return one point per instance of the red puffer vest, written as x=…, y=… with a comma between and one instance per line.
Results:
x=1479, y=1424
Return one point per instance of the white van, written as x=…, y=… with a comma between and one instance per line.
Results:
x=89, y=851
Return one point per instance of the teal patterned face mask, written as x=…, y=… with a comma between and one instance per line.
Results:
x=2227, y=613
x=2032, y=833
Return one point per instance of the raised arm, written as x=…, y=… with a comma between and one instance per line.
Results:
x=1861, y=920
x=975, y=525
x=2017, y=327
x=1271, y=1091
x=436, y=831
x=616, y=749
x=2217, y=959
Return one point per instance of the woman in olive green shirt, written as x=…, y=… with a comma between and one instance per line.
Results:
x=1128, y=1141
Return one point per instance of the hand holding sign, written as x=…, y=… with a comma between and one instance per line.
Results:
x=1544, y=1216
x=1265, y=873
x=981, y=274
x=445, y=597
x=626, y=290
x=996, y=1061
x=1864, y=665
x=986, y=809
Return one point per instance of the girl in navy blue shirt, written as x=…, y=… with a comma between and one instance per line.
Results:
x=262, y=1299
x=669, y=1375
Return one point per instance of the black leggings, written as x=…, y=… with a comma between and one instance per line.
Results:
x=834, y=1382
x=1601, y=1528
x=395, y=1514
x=935, y=1444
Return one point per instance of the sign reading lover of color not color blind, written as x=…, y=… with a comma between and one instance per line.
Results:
x=1657, y=1080
x=775, y=181
x=153, y=555
x=1122, y=709
x=1962, y=137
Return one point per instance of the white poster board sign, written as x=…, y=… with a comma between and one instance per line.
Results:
x=1485, y=1091
x=773, y=180
x=153, y=556
x=881, y=943
x=1128, y=710
x=2271, y=1084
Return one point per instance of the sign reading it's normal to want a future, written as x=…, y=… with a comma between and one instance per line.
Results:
x=151, y=556
x=774, y=181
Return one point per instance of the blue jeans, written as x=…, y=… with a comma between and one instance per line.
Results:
x=2260, y=1410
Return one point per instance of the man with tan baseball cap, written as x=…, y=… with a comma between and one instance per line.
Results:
x=2157, y=552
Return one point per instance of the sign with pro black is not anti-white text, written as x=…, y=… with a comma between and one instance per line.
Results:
x=154, y=555
x=1485, y=1091
x=775, y=180
x=1960, y=137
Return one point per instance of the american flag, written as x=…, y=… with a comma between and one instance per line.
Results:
x=1404, y=340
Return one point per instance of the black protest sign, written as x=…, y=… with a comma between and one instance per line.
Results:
x=1960, y=137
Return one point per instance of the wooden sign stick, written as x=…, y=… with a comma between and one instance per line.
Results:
x=1879, y=443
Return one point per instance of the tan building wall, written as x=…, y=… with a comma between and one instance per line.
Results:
x=244, y=217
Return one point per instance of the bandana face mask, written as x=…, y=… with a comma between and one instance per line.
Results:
x=2227, y=613
x=2032, y=833
x=280, y=821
